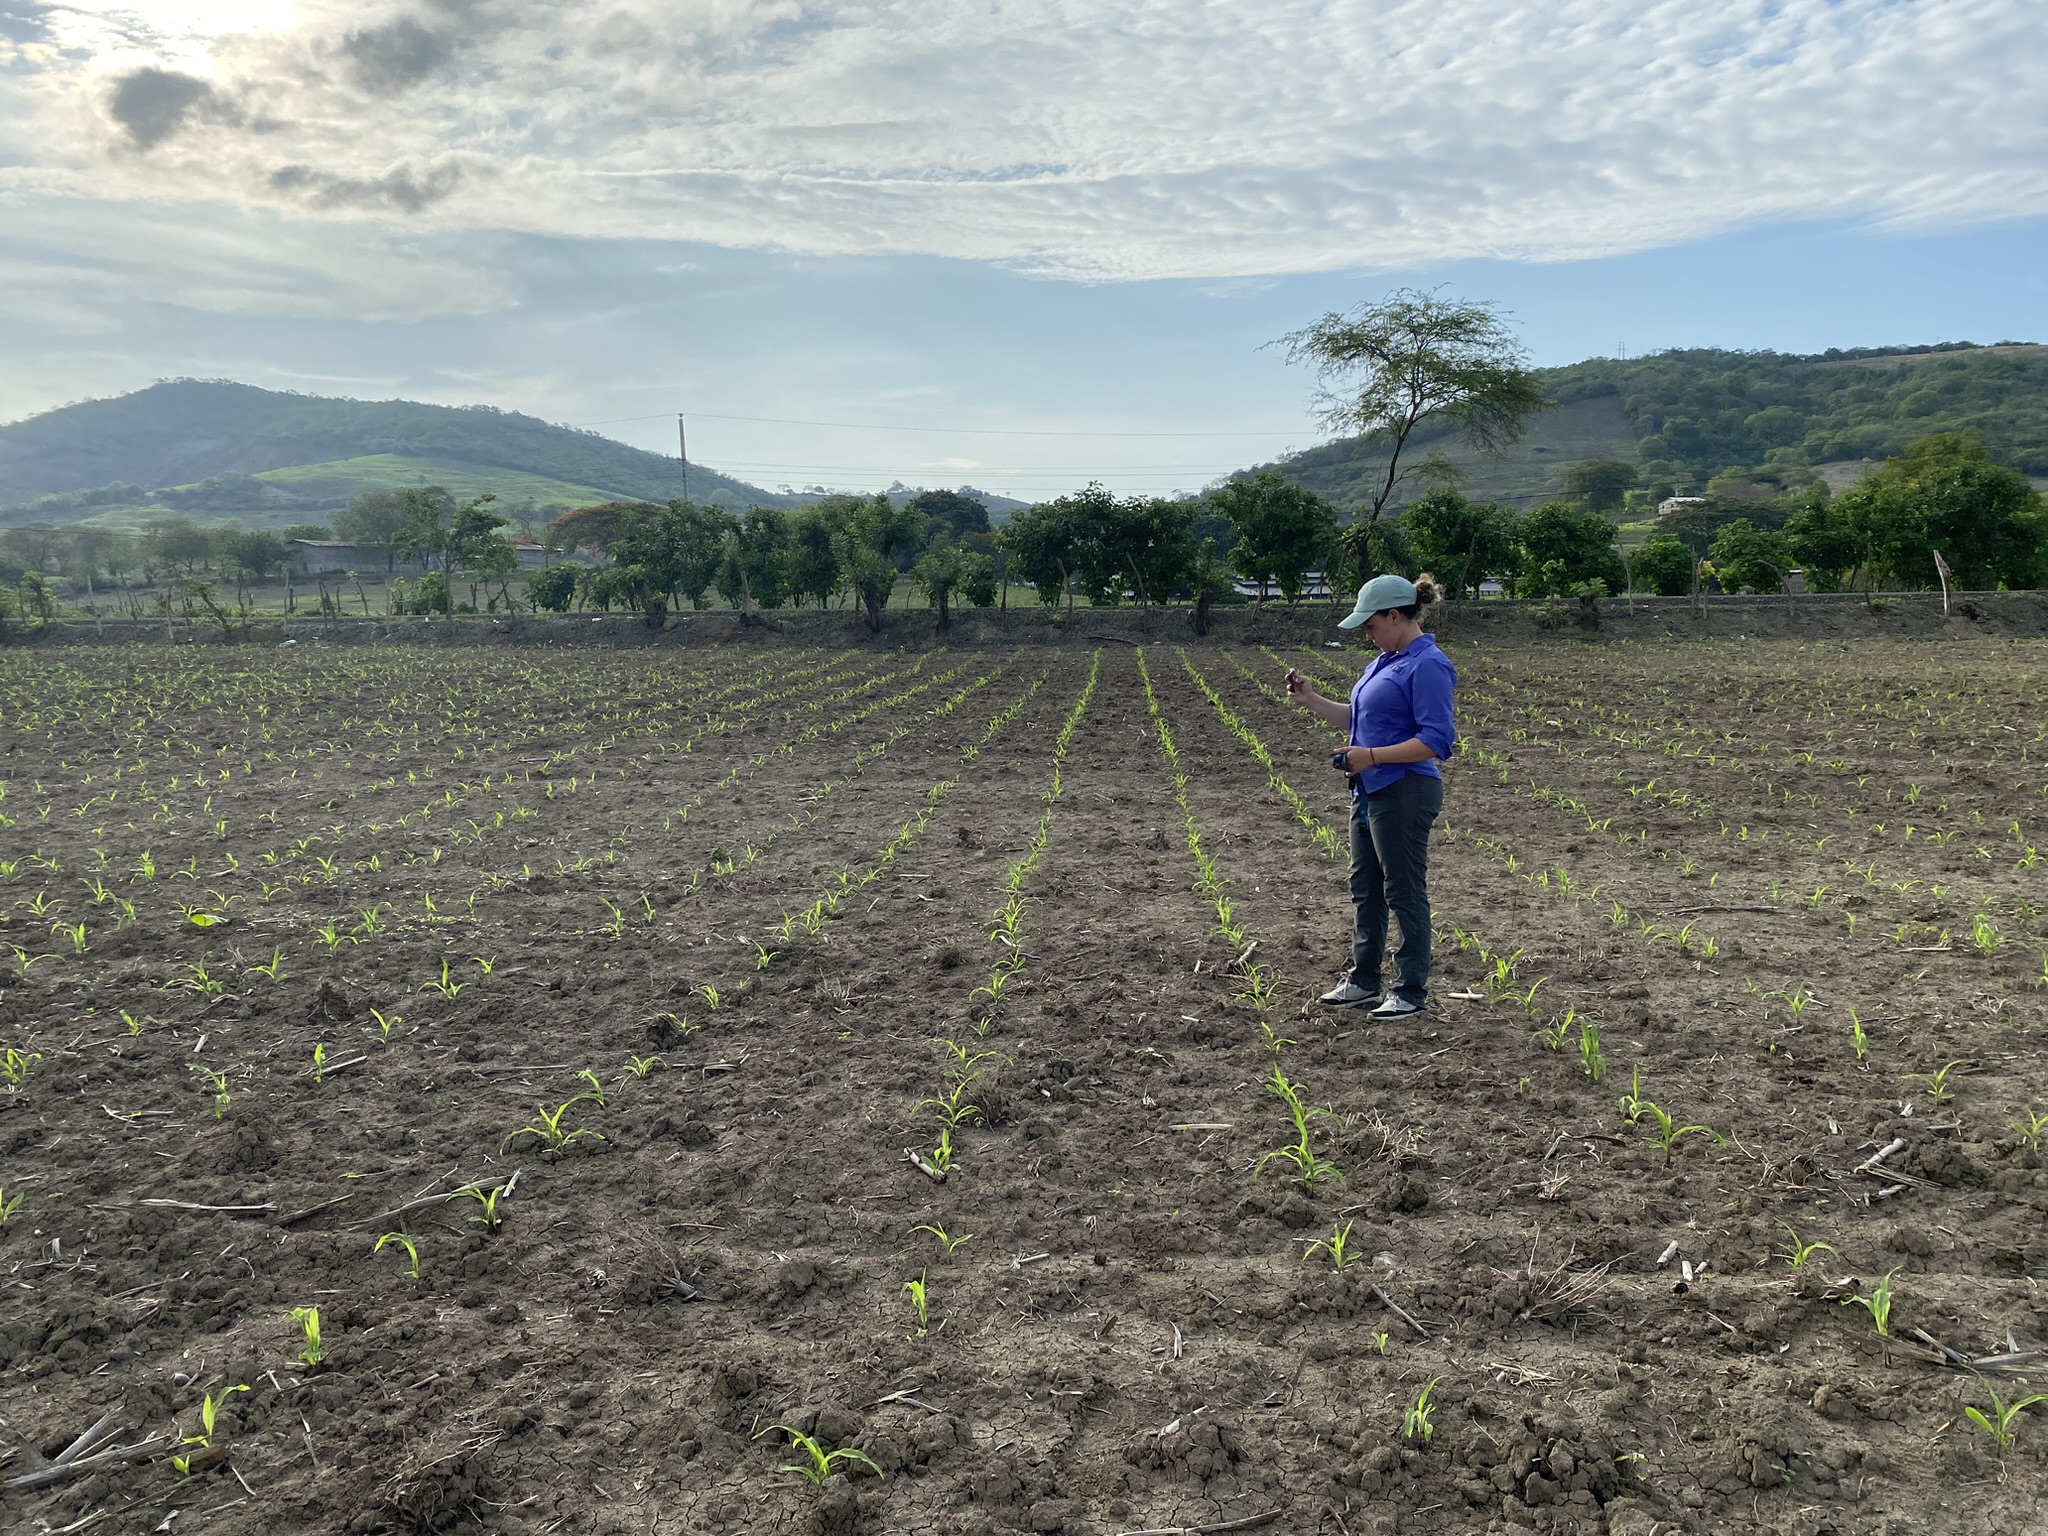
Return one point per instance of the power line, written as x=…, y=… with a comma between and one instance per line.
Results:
x=871, y=426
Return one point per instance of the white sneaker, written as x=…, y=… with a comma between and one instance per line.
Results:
x=1349, y=994
x=1397, y=1007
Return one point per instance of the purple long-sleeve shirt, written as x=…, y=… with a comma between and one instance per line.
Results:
x=1404, y=694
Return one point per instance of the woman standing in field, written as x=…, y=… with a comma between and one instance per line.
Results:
x=1399, y=717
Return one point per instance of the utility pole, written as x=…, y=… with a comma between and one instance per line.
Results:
x=683, y=448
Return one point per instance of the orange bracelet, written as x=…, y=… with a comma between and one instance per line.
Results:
x=1371, y=761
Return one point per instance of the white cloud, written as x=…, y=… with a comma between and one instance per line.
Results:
x=1155, y=138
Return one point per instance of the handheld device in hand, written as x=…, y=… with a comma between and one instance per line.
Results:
x=1337, y=760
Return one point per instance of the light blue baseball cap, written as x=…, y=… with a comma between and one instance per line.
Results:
x=1377, y=595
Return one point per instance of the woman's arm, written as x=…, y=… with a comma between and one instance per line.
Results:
x=1413, y=750
x=1299, y=692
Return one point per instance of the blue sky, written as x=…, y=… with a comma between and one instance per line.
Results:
x=1024, y=234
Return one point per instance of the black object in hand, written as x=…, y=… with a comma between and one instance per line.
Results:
x=1338, y=760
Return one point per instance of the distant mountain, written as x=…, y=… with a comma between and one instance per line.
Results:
x=1684, y=417
x=315, y=452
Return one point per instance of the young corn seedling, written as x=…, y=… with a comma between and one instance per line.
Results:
x=385, y=1024
x=941, y=1157
x=1308, y=1167
x=446, y=986
x=1416, y=1423
x=411, y=1248
x=1983, y=935
x=75, y=932
x=1668, y=1135
x=485, y=963
x=209, y=1410
x=331, y=935
x=14, y=1065
x=1336, y=1245
x=917, y=1302
x=1632, y=1103
x=763, y=956
x=1998, y=1424
x=818, y=1463
x=548, y=1128
x=272, y=971
x=2030, y=1129
x=710, y=995
x=595, y=1090
x=490, y=1218
x=1859, y=1042
x=9, y=1204
x=1796, y=1253
x=219, y=1083
x=946, y=1244
x=308, y=1319
x=617, y=926
x=319, y=1062
x=1938, y=1088
x=1878, y=1304
x=640, y=1066
x=1590, y=1059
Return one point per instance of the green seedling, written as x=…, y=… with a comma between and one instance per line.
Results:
x=14, y=1065
x=209, y=1409
x=1998, y=1424
x=1335, y=1245
x=953, y=1108
x=331, y=935
x=640, y=1066
x=679, y=1023
x=219, y=1083
x=411, y=1248
x=490, y=1218
x=1274, y=1040
x=596, y=1089
x=1859, y=1042
x=75, y=932
x=1878, y=1304
x=941, y=1157
x=1796, y=1253
x=273, y=970
x=710, y=995
x=1590, y=1059
x=946, y=1244
x=308, y=1319
x=1631, y=1103
x=386, y=1024
x=1308, y=1167
x=617, y=926
x=1416, y=1423
x=485, y=963
x=548, y=1128
x=1983, y=935
x=818, y=1462
x=1938, y=1088
x=319, y=1061
x=9, y=1204
x=1381, y=1340
x=448, y=988
x=2030, y=1129
x=197, y=980
x=134, y=1024
x=917, y=1301
x=763, y=956
x=1668, y=1135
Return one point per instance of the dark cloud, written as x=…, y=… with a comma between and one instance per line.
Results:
x=400, y=189
x=152, y=104
x=395, y=56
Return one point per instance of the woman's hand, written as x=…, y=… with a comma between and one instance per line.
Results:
x=1298, y=690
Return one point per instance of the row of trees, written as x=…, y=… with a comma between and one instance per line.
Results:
x=852, y=548
x=170, y=548
x=1943, y=495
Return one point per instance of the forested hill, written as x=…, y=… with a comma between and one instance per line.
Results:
x=188, y=430
x=1684, y=417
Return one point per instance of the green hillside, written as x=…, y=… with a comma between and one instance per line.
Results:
x=1684, y=417
x=338, y=480
x=80, y=460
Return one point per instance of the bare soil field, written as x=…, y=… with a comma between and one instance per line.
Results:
x=642, y=1060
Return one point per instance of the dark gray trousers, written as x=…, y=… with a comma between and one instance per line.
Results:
x=1390, y=870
